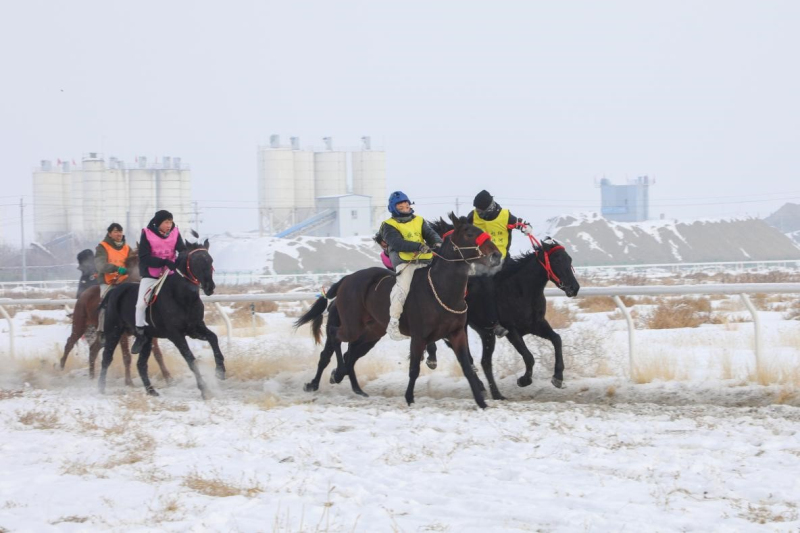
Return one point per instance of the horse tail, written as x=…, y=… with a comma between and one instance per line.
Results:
x=314, y=315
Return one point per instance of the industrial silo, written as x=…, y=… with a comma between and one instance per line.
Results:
x=330, y=171
x=115, y=194
x=93, y=169
x=169, y=193
x=50, y=200
x=304, y=197
x=369, y=179
x=186, y=195
x=141, y=199
x=276, y=186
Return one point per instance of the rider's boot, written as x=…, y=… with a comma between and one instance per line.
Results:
x=141, y=338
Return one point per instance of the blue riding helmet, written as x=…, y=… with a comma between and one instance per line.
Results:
x=395, y=198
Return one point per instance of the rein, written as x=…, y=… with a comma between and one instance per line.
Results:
x=479, y=240
x=189, y=276
x=537, y=245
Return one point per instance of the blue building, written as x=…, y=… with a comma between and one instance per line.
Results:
x=626, y=203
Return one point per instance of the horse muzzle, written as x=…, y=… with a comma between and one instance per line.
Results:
x=571, y=291
x=208, y=288
x=495, y=259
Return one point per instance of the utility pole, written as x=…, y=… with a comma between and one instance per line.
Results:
x=22, y=239
x=457, y=205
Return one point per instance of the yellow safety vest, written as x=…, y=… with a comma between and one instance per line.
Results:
x=497, y=228
x=411, y=231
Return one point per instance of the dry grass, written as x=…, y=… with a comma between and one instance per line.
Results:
x=214, y=485
x=8, y=394
x=664, y=368
x=560, y=316
x=37, y=320
x=39, y=419
x=793, y=311
x=769, y=373
x=597, y=304
x=681, y=313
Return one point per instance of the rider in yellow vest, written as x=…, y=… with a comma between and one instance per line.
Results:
x=409, y=241
x=495, y=221
x=109, y=259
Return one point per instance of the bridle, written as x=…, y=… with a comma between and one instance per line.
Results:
x=189, y=276
x=548, y=268
x=479, y=240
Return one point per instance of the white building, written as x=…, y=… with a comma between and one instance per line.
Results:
x=352, y=216
x=292, y=180
x=84, y=201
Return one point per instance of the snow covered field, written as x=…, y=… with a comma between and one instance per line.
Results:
x=698, y=447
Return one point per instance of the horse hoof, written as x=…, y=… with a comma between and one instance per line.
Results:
x=310, y=387
x=431, y=363
x=206, y=395
x=524, y=381
x=169, y=380
x=220, y=374
x=497, y=396
x=557, y=383
x=333, y=377
x=128, y=383
x=361, y=393
x=152, y=392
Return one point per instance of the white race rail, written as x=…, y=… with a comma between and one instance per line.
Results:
x=740, y=289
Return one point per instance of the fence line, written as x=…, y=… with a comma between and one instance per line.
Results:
x=740, y=289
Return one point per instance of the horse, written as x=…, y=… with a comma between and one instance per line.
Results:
x=435, y=304
x=88, y=271
x=176, y=313
x=85, y=320
x=520, y=304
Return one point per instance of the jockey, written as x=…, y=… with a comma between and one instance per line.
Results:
x=494, y=220
x=409, y=242
x=159, y=246
x=88, y=271
x=109, y=259
x=110, y=256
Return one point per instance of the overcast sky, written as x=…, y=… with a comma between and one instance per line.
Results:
x=534, y=101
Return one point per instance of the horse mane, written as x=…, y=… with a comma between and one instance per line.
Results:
x=440, y=226
x=513, y=265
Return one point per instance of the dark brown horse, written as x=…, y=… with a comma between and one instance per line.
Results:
x=84, y=322
x=435, y=308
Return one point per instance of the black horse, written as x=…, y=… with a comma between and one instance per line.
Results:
x=176, y=314
x=435, y=308
x=520, y=304
x=88, y=271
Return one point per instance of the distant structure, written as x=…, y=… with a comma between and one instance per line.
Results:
x=292, y=183
x=82, y=202
x=626, y=203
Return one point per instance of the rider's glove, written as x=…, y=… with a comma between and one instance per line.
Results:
x=424, y=249
x=170, y=265
x=526, y=229
x=122, y=271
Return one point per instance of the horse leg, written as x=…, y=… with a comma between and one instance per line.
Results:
x=141, y=366
x=488, y=342
x=542, y=329
x=126, y=359
x=324, y=360
x=94, y=350
x=203, y=333
x=516, y=341
x=431, y=360
x=111, y=340
x=415, y=358
x=71, y=341
x=183, y=347
x=458, y=341
x=356, y=351
x=160, y=360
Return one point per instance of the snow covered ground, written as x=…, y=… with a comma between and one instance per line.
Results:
x=700, y=447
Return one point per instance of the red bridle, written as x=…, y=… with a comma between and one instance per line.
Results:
x=191, y=277
x=537, y=245
x=479, y=240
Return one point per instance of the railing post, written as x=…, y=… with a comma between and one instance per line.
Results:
x=629, y=320
x=757, y=327
x=228, y=325
x=10, y=331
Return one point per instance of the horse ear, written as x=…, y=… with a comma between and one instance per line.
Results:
x=194, y=234
x=205, y=244
x=454, y=219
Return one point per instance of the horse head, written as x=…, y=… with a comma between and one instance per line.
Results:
x=556, y=261
x=199, y=266
x=475, y=246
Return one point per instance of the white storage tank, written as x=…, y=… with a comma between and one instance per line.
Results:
x=330, y=171
x=369, y=179
x=50, y=200
x=304, y=197
x=186, y=197
x=276, y=198
x=169, y=195
x=141, y=201
x=93, y=169
x=115, y=194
